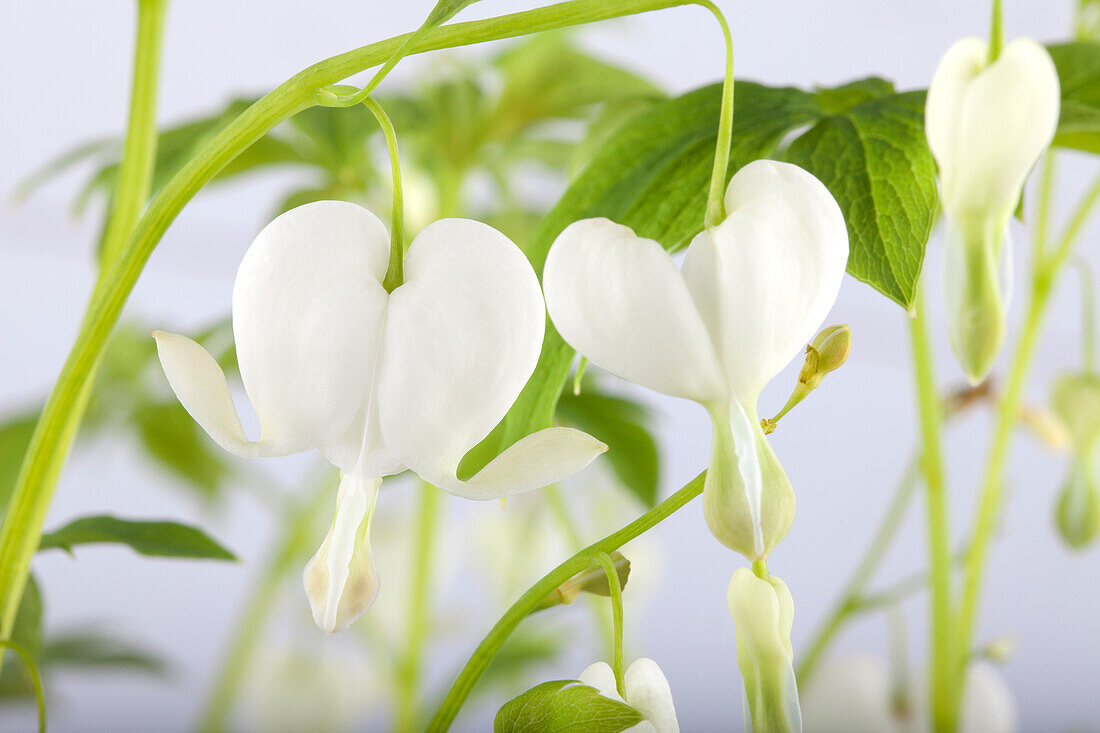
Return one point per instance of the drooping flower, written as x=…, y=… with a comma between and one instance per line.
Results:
x=751, y=294
x=856, y=694
x=987, y=124
x=646, y=689
x=1075, y=399
x=763, y=613
x=378, y=382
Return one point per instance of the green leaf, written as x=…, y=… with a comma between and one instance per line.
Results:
x=444, y=10
x=837, y=100
x=875, y=160
x=621, y=424
x=564, y=705
x=15, y=436
x=152, y=538
x=179, y=445
x=27, y=632
x=1078, y=67
x=91, y=649
x=526, y=649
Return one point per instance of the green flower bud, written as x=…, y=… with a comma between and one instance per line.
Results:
x=1078, y=510
x=1076, y=400
x=763, y=613
x=593, y=580
x=826, y=353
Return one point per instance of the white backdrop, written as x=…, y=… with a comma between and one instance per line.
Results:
x=64, y=67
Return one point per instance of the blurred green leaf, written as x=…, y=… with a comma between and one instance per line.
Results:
x=564, y=705
x=526, y=649
x=1078, y=65
x=178, y=445
x=90, y=649
x=623, y=425
x=152, y=538
x=27, y=632
x=15, y=436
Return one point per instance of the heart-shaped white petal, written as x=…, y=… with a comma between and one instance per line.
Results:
x=646, y=689
x=307, y=308
x=619, y=300
x=765, y=278
x=987, y=124
x=463, y=335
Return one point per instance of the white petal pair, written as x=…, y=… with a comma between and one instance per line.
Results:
x=750, y=295
x=646, y=689
x=987, y=124
x=378, y=381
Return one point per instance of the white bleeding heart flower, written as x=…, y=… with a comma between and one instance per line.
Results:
x=646, y=690
x=855, y=694
x=378, y=382
x=987, y=124
x=751, y=294
x=763, y=614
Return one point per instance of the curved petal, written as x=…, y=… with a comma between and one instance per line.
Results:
x=200, y=386
x=619, y=300
x=463, y=335
x=600, y=676
x=989, y=123
x=647, y=691
x=988, y=705
x=538, y=460
x=340, y=579
x=765, y=278
x=307, y=309
x=851, y=694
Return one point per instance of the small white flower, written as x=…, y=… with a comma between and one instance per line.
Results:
x=987, y=124
x=752, y=292
x=378, y=382
x=646, y=689
x=855, y=694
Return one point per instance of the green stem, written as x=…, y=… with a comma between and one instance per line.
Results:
x=617, y=614
x=944, y=698
x=853, y=591
x=135, y=176
x=235, y=665
x=1088, y=315
x=996, y=31
x=36, y=679
x=395, y=272
x=477, y=663
x=408, y=681
x=1044, y=275
x=22, y=525
x=716, y=210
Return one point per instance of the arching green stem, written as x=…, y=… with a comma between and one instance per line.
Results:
x=996, y=31
x=61, y=416
x=617, y=613
x=716, y=210
x=477, y=663
x=394, y=273
x=36, y=680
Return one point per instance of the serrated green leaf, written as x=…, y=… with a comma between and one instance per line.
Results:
x=1078, y=67
x=564, y=705
x=622, y=425
x=875, y=160
x=151, y=538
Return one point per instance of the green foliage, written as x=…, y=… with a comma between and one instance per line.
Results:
x=527, y=648
x=624, y=426
x=564, y=705
x=874, y=158
x=27, y=633
x=179, y=445
x=1078, y=65
x=156, y=539
x=94, y=650
x=15, y=436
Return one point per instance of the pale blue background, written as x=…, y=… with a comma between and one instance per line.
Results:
x=64, y=71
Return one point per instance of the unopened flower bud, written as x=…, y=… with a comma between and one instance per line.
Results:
x=826, y=353
x=340, y=580
x=1076, y=400
x=763, y=613
x=1078, y=510
x=593, y=580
